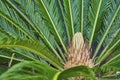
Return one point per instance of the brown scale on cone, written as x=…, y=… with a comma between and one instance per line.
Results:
x=79, y=53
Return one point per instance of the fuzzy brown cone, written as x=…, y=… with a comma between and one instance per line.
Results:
x=79, y=53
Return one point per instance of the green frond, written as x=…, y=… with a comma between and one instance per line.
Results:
x=113, y=60
x=29, y=70
x=92, y=14
x=77, y=71
x=77, y=13
x=40, y=31
x=112, y=35
x=63, y=18
x=106, y=47
x=9, y=57
x=112, y=65
x=108, y=52
x=32, y=46
x=15, y=24
x=114, y=76
x=107, y=30
x=95, y=22
x=68, y=17
x=27, y=55
x=50, y=22
x=37, y=32
x=4, y=34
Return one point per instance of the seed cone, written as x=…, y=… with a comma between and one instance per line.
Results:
x=79, y=53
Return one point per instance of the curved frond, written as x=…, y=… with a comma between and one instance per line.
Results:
x=32, y=46
x=77, y=71
x=29, y=70
x=37, y=32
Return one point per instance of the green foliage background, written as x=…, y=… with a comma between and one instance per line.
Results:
x=38, y=33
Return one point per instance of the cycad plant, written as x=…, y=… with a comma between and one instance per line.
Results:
x=59, y=39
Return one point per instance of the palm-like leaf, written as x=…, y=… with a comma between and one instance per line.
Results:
x=76, y=71
x=41, y=30
x=30, y=70
x=27, y=44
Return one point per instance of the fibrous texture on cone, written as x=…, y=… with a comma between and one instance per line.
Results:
x=79, y=53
